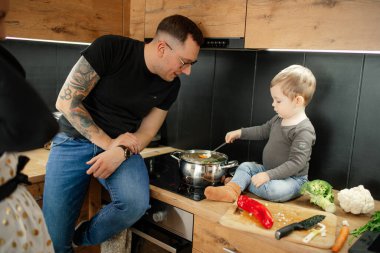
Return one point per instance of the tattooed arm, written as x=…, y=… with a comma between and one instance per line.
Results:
x=79, y=83
x=81, y=80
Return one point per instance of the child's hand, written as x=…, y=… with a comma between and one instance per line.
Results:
x=259, y=179
x=233, y=135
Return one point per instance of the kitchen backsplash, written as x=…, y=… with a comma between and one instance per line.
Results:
x=46, y=64
x=228, y=90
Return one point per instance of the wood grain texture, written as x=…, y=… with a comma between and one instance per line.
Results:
x=212, y=238
x=94, y=198
x=135, y=28
x=313, y=24
x=37, y=190
x=69, y=20
x=223, y=18
x=35, y=169
x=283, y=214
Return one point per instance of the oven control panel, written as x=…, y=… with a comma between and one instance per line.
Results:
x=171, y=218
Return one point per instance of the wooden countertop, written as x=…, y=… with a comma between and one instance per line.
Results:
x=213, y=211
x=35, y=168
x=209, y=210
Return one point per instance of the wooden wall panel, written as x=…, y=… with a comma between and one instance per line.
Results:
x=134, y=19
x=69, y=20
x=313, y=24
x=223, y=18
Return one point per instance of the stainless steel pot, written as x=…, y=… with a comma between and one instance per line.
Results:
x=201, y=168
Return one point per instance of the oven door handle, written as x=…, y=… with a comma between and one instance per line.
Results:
x=153, y=240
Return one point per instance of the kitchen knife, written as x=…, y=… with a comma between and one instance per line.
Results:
x=305, y=224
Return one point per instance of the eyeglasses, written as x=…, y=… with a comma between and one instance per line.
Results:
x=184, y=64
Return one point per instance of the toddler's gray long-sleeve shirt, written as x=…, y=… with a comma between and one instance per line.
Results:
x=288, y=150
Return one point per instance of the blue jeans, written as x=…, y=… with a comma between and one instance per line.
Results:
x=274, y=190
x=66, y=184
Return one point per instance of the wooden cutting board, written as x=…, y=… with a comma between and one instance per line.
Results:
x=283, y=214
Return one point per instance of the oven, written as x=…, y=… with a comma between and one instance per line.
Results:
x=164, y=228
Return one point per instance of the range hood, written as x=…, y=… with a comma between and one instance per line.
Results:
x=218, y=43
x=223, y=43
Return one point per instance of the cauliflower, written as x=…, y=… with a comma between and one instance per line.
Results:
x=320, y=193
x=356, y=200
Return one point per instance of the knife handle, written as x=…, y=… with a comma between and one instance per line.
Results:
x=285, y=231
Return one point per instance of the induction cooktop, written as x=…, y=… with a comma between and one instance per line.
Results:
x=164, y=172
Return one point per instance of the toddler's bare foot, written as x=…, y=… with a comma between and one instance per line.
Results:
x=228, y=193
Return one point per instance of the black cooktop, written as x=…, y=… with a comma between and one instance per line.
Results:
x=164, y=172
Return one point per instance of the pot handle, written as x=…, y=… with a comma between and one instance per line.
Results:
x=174, y=155
x=230, y=164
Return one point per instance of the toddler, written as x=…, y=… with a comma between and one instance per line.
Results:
x=286, y=155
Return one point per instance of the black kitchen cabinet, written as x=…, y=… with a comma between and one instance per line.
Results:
x=333, y=112
x=365, y=161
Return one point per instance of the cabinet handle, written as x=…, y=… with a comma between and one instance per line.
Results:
x=228, y=250
x=154, y=240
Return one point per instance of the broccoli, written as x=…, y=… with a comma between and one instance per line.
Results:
x=320, y=193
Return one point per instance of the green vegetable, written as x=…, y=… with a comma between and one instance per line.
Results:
x=372, y=225
x=320, y=193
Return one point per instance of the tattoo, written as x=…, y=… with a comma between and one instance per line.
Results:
x=66, y=94
x=78, y=85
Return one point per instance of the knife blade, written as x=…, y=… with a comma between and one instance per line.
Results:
x=305, y=224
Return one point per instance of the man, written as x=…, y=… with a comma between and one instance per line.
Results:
x=114, y=101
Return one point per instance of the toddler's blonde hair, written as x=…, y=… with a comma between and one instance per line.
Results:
x=296, y=80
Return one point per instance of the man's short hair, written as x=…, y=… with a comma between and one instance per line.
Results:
x=296, y=80
x=180, y=27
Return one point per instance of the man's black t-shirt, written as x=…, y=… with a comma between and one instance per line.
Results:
x=126, y=91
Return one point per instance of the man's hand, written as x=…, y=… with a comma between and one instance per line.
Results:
x=129, y=140
x=259, y=179
x=104, y=164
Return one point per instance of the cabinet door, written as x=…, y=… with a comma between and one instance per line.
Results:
x=310, y=24
x=37, y=190
x=68, y=20
x=223, y=18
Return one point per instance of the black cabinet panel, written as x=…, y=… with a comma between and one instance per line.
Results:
x=194, y=104
x=67, y=56
x=333, y=113
x=268, y=65
x=46, y=64
x=39, y=62
x=169, y=130
x=365, y=167
x=232, y=101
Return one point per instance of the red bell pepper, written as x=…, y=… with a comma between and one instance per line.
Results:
x=257, y=209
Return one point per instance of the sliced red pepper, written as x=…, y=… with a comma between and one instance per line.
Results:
x=254, y=207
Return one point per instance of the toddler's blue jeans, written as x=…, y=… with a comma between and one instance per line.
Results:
x=66, y=184
x=274, y=190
